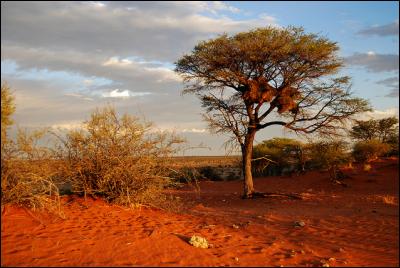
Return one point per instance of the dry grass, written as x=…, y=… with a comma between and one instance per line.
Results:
x=203, y=161
x=389, y=199
x=385, y=199
x=367, y=167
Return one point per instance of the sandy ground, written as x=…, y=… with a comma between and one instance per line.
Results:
x=344, y=226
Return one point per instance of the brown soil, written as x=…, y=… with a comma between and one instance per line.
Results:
x=356, y=225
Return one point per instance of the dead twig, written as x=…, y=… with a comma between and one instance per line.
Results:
x=266, y=195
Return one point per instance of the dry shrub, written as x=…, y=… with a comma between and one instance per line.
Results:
x=28, y=173
x=367, y=151
x=386, y=199
x=330, y=155
x=389, y=200
x=120, y=159
x=366, y=167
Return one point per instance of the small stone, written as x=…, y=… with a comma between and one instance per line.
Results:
x=235, y=226
x=299, y=224
x=341, y=249
x=302, y=252
x=325, y=265
x=198, y=242
x=331, y=259
x=223, y=200
x=236, y=259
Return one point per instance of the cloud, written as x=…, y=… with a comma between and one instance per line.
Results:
x=384, y=30
x=97, y=72
x=195, y=130
x=216, y=6
x=374, y=62
x=114, y=61
x=378, y=114
x=68, y=125
x=156, y=31
x=130, y=44
x=76, y=95
x=116, y=93
x=393, y=84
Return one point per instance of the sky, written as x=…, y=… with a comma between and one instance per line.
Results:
x=64, y=59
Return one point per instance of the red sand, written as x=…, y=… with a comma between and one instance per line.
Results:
x=353, y=226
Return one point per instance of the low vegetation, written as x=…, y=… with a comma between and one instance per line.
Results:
x=367, y=151
x=119, y=158
x=27, y=169
x=125, y=161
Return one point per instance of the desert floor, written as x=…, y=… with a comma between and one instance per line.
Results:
x=356, y=225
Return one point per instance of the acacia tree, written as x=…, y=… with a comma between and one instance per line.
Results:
x=383, y=129
x=268, y=76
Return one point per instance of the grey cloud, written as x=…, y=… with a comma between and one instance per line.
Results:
x=384, y=30
x=130, y=75
x=393, y=84
x=159, y=30
x=79, y=37
x=375, y=62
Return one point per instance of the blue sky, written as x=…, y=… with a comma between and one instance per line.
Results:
x=63, y=59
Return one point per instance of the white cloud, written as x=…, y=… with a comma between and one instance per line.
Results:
x=116, y=93
x=68, y=125
x=98, y=4
x=194, y=130
x=164, y=74
x=114, y=61
x=378, y=114
x=216, y=6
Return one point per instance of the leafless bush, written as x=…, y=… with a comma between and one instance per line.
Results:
x=28, y=172
x=120, y=159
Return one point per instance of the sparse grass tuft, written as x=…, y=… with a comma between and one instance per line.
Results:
x=389, y=199
x=366, y=167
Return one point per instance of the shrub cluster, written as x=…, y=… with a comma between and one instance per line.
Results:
x=282, y=156
x=367, y=151
x=119, y=158
x=27, y=169
x=278, y=155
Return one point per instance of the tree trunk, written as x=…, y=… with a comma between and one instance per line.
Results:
x=247, y=153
